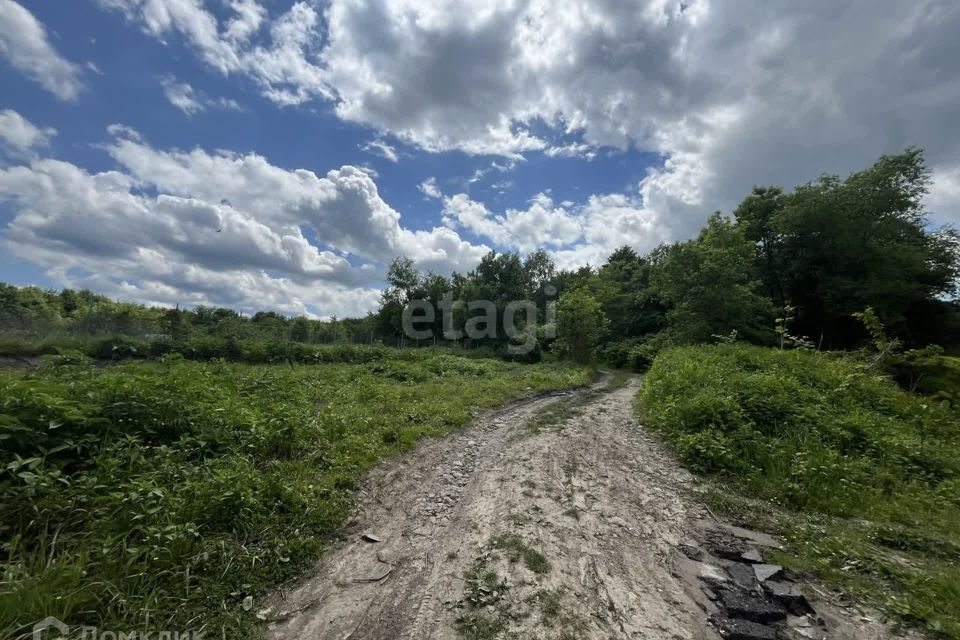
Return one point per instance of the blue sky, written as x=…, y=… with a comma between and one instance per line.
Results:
x=450, y=128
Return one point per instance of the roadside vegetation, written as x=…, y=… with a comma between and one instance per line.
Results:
x=172, y=494
x=861, y=477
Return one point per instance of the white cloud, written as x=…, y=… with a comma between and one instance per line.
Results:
x=577, y=235
x=726, y=94
x=222, y=228
x=284, y=63
x=249, y=16
x=572, y=150
x=380, y=148
x=189, y=100
x=944, y=197
x=429, y=188
x=20, y=135
x=24, y=43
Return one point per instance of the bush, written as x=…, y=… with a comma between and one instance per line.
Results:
x=636, y=354
x=171, y=490
x=826, y=436
x=796, y=403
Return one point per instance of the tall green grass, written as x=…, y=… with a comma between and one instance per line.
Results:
x=207, y=348
x=862, y=477
x=159, y=495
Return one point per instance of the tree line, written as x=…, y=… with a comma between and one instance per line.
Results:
x=786, y=266
x=792, y=266
x=31, y=312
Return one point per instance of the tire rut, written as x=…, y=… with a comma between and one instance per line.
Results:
x=573, y=530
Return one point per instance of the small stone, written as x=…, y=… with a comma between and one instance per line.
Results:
x=743, y=629
x=752, y=556
x=747, y=607
x=766, y=571
x=369, y=537
x=247, y=603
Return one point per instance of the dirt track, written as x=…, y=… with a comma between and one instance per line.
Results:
x=572, y=530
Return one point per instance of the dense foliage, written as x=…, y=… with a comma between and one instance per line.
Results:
x=160, y=495
x=33, y=314
x=827, y=435
x=812, y=258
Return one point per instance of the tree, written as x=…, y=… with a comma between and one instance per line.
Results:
x=834, y=247
x=300, y=329
x=581, y=323
x=633, y=307
x=756, y=217
x=709, y=287
x=403, y=280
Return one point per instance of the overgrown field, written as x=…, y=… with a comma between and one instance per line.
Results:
x=160, y=495
x=862, y=478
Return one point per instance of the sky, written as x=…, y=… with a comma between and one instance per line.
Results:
x=270, y=154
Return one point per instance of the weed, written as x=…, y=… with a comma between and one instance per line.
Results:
x=516, y=549
x=553, y=416
x=165, y=491
x=859, y=476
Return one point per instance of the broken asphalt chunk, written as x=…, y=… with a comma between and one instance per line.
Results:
x=743, y=629
x=748, y=607
x=766, y=571
x=789, y=595
x=752, y=556
x=743, y=576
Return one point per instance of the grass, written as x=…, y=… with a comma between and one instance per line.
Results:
x=204, y=348
x=491, y=606
x=861, y=478
x=553, y=416
x=160, y=495
x=516, y=550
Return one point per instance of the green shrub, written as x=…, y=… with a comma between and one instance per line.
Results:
x=825, y=436
x=169, y=491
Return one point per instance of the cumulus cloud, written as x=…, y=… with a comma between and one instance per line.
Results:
x=380, y=148
x=575, y=234
x=221, y=227
x=189, y=100
x=24, y=43
x=727, y=94
x=19, y=135
x=430, y=189
x=282, y=57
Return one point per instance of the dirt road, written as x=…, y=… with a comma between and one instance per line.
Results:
x=550, y=518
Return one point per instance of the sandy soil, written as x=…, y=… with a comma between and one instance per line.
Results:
x=581, y=529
